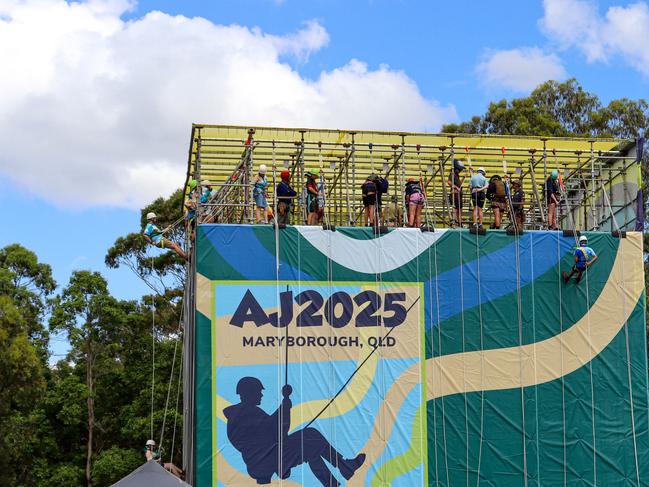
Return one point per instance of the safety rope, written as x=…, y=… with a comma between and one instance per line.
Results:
x=482, y=366
x=152, y=352
x=536, y=382
x=176, y=414
x=466, y=401
x=561, y=345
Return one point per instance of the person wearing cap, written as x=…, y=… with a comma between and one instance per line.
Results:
x=259, y=185
x=154, y=236
x=518, y=205
x=368, y=192
x=150, y=451
x=311, y=188
x=584, y=258
x=414, y=202
x=552, y=198
x=478, y=186
x=455, y=182
x=285, y=195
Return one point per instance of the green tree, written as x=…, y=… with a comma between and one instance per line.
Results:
x=91, y=320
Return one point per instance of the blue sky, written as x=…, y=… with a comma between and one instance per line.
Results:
x=97, y=98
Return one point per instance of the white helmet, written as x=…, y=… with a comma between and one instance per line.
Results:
x=481, y=169
x=262, y=169
x=206, y=182
x=150, y=215
x=583, y=239
x=150, y=443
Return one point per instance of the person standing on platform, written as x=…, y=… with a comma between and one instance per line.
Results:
x=414, y=202
x=518, y=205
x=368, y=190
x=584, y=258
x=207, y=196
x=259, y=185
x=497, y=194
x=285, y=195
x=478, y=185
x=552, y=199
x=455, y=182
x=311, y=188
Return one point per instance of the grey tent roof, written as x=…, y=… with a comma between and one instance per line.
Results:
x=151, y=474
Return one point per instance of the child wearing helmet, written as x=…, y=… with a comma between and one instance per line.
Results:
x=552, y=199
x=154, y=236
x=478, y=186
x=259, y=185
x=285, y=195
x=584, y=258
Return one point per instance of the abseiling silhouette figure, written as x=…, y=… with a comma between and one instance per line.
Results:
x=260, y=437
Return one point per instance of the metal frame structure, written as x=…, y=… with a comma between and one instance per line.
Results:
x=229, y=155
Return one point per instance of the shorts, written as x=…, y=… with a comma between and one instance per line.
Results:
x=498, y=203
x=369, y=199
x=313, y=206
x=260, y=200
x=455, y=200
x=579, y=267
x=417, y=199
x=478, y=199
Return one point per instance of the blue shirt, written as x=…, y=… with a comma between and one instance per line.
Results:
x=583, y=255
x=477, y=181
x=284, y=189
x=153, y=232
x=207, y=194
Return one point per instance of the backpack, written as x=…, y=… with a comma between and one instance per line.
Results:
x=499, y=188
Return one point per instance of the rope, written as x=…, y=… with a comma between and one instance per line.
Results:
x=432, y=351
x=563, y=385
x=466, y=401
x=477, y=243
x=152, y=352
x=173, y=437
x=171, y=375
x=626, y=340
x=536, y=387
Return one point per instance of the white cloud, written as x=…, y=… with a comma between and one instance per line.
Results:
x=519, y=70
x=95, y=110
x=621, y=33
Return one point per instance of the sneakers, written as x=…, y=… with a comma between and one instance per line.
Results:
x=348, y=467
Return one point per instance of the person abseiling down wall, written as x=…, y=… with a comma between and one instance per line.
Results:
x=256, y=435
x=478, y=186
x=414, y=202
x=285, y=196
x=584, y=258
x=153, y=235
x=150, y=451
x=259, y=185
x=368, y=190
x=552, y=199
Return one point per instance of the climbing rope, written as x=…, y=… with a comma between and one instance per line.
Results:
x=152, y=352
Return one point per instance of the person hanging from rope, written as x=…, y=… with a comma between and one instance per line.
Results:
x=207, y=196
x=497, y=194
x=311, y=188
x=478, y=186
x=259, y=185
x=151, y=452
x=455, y=181
x=414, y=202
x=154, y=236
x=584, y=258
x=368, y=191
x=285, y=196
x=518, y=205
x=255, y=434
x=552, y=198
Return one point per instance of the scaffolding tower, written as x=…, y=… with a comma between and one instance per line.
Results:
x=595, y=173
